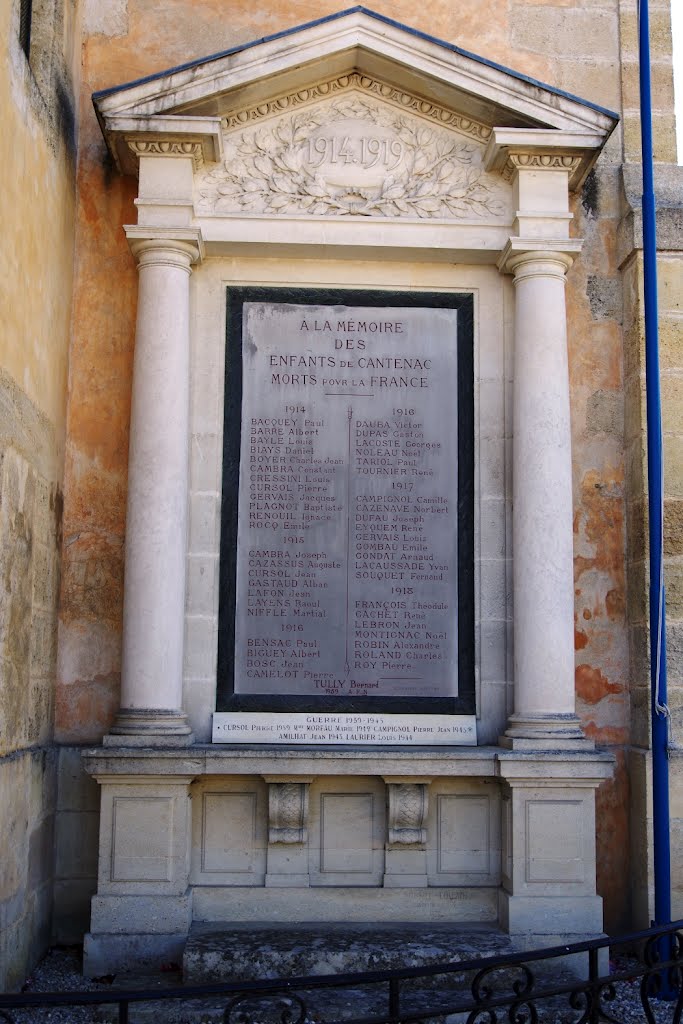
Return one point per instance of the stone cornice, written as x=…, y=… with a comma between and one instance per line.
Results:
x=399, y=98
x=511, y=150
x=356, y=48
x=129, y=138
x=356, y=40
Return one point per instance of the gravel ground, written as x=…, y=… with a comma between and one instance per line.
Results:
x=60, y=972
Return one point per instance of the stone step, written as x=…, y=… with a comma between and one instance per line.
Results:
x=242, y=952
x=222, y=953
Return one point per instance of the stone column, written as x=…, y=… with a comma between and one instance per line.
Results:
x=156, y=525
x=542, y=530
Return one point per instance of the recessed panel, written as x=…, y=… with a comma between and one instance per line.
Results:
x=555, y=854
x=142, y=829
x=464, y=834
x=228, y=832
x=346, y=829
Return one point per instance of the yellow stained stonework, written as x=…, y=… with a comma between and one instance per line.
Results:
x=68, y=291
x=37, y=212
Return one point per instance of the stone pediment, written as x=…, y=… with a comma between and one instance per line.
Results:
x=334, y=115
x=352, y=146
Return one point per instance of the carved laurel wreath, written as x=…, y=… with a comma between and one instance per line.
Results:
x=268, y=171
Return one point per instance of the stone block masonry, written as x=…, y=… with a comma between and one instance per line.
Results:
x=669, y=189
x=38, y=86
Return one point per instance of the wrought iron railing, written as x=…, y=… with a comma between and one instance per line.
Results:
x=520, y=988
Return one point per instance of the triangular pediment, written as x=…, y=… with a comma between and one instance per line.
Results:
x=352, y=146
x=382, y=62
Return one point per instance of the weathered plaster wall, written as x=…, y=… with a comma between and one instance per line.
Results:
x=596, y=381
x=37, y=154
x=568, y=44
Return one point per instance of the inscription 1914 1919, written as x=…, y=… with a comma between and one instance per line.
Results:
x=346, y=562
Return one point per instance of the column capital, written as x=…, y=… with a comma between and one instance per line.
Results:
x=514, y=150
x=132, y=139
x=180, y=247
x=558, y=254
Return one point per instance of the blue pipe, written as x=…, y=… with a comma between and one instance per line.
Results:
x=655, y=478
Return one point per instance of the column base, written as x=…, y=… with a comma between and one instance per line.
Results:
x=149, y=727
x=545, y=732
x=537, y=923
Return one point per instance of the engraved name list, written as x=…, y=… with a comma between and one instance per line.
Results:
x=346, y=579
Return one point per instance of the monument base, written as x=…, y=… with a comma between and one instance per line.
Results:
x=272, y=835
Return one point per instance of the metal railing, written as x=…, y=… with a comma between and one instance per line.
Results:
x=520, y=988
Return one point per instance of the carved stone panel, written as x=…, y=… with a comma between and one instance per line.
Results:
x=287, y=812
x=407, y=818
x=352, y=155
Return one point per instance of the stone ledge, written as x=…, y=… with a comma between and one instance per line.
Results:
x=206, y=759
x=313, y=762
x=548, y=768
x=360, y=904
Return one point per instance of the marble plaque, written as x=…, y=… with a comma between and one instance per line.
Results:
x=334, y=729
x=346, y=582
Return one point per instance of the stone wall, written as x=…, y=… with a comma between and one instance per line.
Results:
x=669, y=185
x=37, y=152
x=669, y=189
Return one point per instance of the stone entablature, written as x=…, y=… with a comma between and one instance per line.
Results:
x=350, y=130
